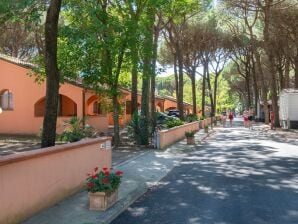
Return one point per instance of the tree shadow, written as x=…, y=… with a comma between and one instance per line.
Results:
x=237, y=178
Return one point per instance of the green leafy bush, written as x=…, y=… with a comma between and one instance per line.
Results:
x=134, y=129
x=189, y=134
x=191, y=118
x=75, y=130
x=173, y=122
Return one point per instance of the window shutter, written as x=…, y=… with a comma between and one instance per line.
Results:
x=10, y=100
x=4, y=100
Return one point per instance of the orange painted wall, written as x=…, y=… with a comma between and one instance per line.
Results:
x=34, y=180
x=22, y=120
x=172, y=135
x=169, y=104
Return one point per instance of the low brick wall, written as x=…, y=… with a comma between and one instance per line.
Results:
x=32, y=181
x=168, y=137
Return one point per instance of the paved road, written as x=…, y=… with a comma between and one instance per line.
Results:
x=239, y=177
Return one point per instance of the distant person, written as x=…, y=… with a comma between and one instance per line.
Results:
x=224, y=119
x=231, y=117
x=250, y=118
x=245, y=119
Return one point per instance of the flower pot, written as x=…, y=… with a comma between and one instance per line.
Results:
x=190, y=140
x=101, y=201
x=203, y=123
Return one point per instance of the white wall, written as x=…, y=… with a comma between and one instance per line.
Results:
x=293, y=107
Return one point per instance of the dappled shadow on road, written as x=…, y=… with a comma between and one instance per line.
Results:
x=237, y=178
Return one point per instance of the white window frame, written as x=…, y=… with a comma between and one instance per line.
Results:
x=7, y=101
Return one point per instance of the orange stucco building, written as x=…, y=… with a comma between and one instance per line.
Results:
x=22, y=101
x=162, y=104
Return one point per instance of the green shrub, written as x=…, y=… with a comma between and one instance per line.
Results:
x=133, y=128
x=173, y=122
x=190, y=134
x=191, y=118
x=75, y=130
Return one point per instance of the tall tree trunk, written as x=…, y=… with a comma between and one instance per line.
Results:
x=52, y=73
x=116, y=119
x=204, y=90
x=215, y=93
x=134, y=78
x=287, y=73
x=114, y=89
x=281, y=75
x=176, y=77
x=210, y=92
x=264, y=89
x=194, y=94
x=274, y=94
x=180, y=82
x=144, y=119
x=153, y=77
x=247, y=84
x=296, y=71
x=147, y=74
x=255, y=86
x=271, y=58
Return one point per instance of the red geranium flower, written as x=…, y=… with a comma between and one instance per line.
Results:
x=105, y=169
x=119, y=173
x=95, y=169
x=105, y=180
x=107, y=173
x=93, y=176
x=90, y=185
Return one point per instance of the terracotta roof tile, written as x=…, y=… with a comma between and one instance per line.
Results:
x=17, y=61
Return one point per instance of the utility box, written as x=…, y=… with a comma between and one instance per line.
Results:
x=288, y=109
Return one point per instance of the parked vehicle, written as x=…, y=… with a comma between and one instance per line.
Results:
x=174, y=113
x=166, y=121
x=162, y=117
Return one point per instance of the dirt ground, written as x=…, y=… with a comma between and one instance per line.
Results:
x=10, y=144
x=19, y=144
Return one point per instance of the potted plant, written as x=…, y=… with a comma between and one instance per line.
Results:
x=190, y=137
x=206, y=128
x=103, y=188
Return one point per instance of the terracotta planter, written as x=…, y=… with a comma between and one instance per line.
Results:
x=190, y=140
x=202, y=124
x=101, y=201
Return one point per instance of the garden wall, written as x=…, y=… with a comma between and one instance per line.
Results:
x=32, y=181
x=172, y=135
x=99, y=122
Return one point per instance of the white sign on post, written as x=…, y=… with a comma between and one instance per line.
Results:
x=108, y=144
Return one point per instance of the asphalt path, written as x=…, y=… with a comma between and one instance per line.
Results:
x=239, y=176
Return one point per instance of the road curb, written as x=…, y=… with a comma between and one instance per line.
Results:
x=123, y=204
